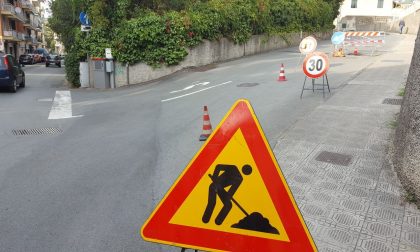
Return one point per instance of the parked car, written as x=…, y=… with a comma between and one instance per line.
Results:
x=11, y=74
x=53, y=59
x=37, y=58
x=26, y=59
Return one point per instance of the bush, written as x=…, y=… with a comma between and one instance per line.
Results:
x=161, y=37
x=152, y=39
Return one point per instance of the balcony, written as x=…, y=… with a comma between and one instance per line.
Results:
x=21, y=36
x=27, y=5
x=7, y=9
x=28, y=38
x=30, y=24
x=11, y=35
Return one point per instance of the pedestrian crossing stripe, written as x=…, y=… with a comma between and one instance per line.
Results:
x=232, y=196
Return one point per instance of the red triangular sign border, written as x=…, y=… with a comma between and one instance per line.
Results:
x=241, y=116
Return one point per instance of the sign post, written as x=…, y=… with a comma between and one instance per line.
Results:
x=315, y=66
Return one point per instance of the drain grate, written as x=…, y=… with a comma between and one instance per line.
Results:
x=248, y=84
x=392, y=101
x=36, y=132
x=334, y=158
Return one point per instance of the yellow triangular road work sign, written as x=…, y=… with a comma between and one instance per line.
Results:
x=232, y=196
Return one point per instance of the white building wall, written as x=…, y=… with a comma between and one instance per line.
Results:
x=367, y=8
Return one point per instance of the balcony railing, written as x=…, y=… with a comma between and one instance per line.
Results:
x=8, y=7
x=27, y=5
x=10, y=33
x=28, y=38
x=21, y=36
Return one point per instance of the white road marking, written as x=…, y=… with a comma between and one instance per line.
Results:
x=201, y=90
x=189, y=87
x=61, y=108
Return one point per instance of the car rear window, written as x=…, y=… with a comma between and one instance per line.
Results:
x=2, y=65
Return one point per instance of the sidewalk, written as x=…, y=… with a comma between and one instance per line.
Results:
x=350, y=197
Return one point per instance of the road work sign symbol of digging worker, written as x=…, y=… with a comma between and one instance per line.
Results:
x=229, y=177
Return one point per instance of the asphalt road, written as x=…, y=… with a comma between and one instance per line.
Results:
x=91, y=187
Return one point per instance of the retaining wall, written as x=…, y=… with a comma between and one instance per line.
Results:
x=206, y=53
x=407, y=138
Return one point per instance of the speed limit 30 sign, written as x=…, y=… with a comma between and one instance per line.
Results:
x=316, y=65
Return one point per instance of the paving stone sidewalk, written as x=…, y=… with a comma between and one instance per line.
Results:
x=335, y=161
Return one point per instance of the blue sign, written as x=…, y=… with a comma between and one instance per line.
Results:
x=338, y=38
x=83, y=17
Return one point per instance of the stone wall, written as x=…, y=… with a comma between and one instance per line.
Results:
x=411, y=24
x=406, y=157
x=209, y=52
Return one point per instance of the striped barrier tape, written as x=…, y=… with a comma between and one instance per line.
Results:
x=372, y=41
x=364, y=34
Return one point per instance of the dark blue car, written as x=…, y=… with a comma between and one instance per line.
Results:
x=11, y=73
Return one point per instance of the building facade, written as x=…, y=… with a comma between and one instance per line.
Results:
x=373, y=15
x=21, y=26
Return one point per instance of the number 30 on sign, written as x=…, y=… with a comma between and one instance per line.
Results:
x=316, y=65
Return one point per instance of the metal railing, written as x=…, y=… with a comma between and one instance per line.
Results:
x=21, y=36
x=8, y=7
x=26, y=4
x=10, y=33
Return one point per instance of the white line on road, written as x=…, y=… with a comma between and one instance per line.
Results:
x=201, y=90
x=61, y=108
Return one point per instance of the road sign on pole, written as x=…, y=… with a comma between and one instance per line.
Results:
x=232, y=196
x=338, y=38
x=308, y=45
x=316, y=65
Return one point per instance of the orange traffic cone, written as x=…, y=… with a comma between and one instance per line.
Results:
x=282, y=77
x=355, y=52
x=206, y=125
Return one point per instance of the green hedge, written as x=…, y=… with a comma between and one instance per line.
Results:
x=162, y=37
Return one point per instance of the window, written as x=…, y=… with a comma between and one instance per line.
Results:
x=380, y=3
x=354, y=3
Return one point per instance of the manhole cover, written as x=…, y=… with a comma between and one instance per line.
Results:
x=42, y=131
x=248, y=85
x=334, y=158
x=392, y=101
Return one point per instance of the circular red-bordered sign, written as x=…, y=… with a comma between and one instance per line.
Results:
x=316, y=65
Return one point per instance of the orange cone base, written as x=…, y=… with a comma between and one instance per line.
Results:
x=204, y=137
x=282, y=79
